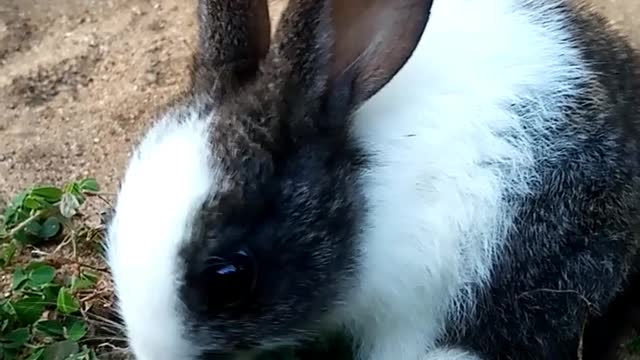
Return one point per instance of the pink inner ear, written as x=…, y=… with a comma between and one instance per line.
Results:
x=355, y=26
x=259, y=28
x=375, y=38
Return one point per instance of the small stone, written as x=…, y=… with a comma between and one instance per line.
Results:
x=151, y=78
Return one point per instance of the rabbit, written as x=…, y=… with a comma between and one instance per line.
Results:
x=438, y=179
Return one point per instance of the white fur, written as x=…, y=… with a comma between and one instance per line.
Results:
x=446, y=149
x=168, y=179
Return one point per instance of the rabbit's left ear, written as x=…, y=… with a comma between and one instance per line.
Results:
x=373, y=39
x=233, y=38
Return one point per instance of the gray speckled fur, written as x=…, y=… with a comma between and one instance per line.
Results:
x=574, y=246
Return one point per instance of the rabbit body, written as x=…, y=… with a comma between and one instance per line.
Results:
x=524, y=217
x=479, y=204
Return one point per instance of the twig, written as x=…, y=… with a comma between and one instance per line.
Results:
x=100, y=194
x=74, y=244
x=107, y=338
x=62, y=244
x=94, y=295
x=114, y=349
x=105, y=200
x=64, y=261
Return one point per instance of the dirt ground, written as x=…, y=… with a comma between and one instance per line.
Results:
x=79, y=80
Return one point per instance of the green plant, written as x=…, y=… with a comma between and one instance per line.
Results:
x=41, y=315
x=41, y=319
x=38, y=214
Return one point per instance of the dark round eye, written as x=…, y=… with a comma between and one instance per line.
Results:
x=229, y=279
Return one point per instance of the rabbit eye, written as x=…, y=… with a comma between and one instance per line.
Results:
x=230, y=279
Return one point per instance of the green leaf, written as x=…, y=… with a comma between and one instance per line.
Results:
x=69, y=205
x=76, y=331
x=10, y=214
x=37, y=265
x=29, y=309
x=41, y=276
x=15, y=339
x=19, y=279
x=66, y=302
x=48, y=193
x=52, y=328
x=7, y=251
x=33, y=202
x=22, y=236
x=34, y=265
x=33, y=227
x=6, y=309
x=8, y=354
x=50, y=292
x=36, y=354
x=85, y=354
x=73, y=188
x=50, y=228
x=84, y=281
x=634, y=345
x=60, y=350
x=13, y=214
x=89, y=185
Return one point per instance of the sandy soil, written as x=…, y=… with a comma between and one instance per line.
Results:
x=79, y=80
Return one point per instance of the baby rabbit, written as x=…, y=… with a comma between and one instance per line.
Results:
x=440, y=179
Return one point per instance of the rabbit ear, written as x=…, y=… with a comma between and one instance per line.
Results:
x=344, y=51
x=373, y=41
x=233, y=37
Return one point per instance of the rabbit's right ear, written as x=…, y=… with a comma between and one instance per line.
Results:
x=342, y=52
x=373, y=39
x=233, y=38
